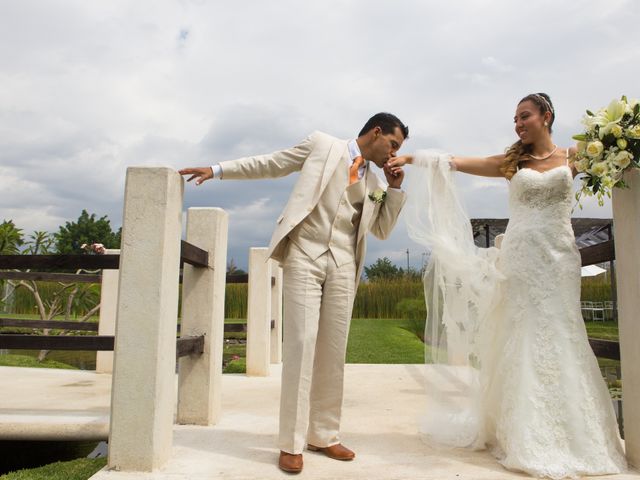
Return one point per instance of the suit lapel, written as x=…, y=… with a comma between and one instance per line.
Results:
x=336, y=153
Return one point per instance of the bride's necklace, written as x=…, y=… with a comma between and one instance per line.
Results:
x=555, y=147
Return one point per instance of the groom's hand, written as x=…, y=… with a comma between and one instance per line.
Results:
x=199, y=173
x=394, y=177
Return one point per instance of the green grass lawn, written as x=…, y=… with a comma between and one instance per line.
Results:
x=79, y=469
x=11, y=360
x=381, y=340
x=602, y=330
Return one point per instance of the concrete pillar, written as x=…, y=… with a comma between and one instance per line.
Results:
x=200, y=376
x=143, y=392
x=626, y=223
x=276, y=312
x=108, y=305
x=259, y=314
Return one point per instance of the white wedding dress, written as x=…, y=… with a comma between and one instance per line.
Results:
x=537, y=397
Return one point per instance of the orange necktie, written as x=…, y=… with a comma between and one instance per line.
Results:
x=353, y=169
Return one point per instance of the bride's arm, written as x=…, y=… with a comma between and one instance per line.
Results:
x=483, y=166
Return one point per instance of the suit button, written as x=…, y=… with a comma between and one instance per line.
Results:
x=292, y=225
x=309, y=209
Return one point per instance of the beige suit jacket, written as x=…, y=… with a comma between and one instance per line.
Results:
x=316, y=158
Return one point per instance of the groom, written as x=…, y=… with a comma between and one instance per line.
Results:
x=320, y=240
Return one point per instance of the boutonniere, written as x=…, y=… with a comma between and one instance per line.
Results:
x=378, y=196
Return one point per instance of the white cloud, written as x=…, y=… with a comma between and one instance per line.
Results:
x=89, y=88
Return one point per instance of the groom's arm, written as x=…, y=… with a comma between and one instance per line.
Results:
x=277, y=164
x=273, y=165
x=388, y=213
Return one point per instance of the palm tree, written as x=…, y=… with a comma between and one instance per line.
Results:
x=10, y=238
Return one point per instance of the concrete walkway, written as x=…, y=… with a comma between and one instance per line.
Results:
x=52, y=404
x=382, y=406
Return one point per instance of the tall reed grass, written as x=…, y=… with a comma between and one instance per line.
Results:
x=373, y=299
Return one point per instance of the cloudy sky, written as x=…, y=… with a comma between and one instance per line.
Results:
x=89, y=88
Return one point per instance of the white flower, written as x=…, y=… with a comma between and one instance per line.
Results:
x=378, y=196
x=622, y=143
x=615, y=110
x=600, y=169
x=631, y=104
x=622, y=159
x=613, y=128
x=634, y=131
x=595, y=148
x=582, y=165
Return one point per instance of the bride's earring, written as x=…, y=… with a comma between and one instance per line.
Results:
x=546, y=124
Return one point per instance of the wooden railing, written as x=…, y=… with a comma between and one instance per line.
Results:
x=184, y=345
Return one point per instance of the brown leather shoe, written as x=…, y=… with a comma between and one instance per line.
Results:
x=290, y=462
x=337, y=452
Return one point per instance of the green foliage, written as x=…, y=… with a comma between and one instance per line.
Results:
x=595, y=289
x=10, y=360
x=87, y=229
x=233, y=270
x=79, y=469
x=414, y=311
x=382, y=270
x=39, y=243
x=11, y=238
x=380, y=299
x=235, y=303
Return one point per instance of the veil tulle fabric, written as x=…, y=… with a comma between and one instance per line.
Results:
x=461, y=284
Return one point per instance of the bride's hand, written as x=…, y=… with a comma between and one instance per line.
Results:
x=395, y=164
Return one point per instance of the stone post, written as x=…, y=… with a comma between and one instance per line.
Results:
x=200, y=376
x=626, y=223
x=108, y=305
x=259, y=313
x=276, y=312
x=143, y=393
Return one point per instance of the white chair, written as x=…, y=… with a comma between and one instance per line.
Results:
x=598, y=312
x=587, y=310
x=608, y=308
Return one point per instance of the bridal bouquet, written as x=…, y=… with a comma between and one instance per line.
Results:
x=609, y=146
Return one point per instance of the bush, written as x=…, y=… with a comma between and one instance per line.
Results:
x=414, y=310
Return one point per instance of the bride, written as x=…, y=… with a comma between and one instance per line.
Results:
x=512, y=314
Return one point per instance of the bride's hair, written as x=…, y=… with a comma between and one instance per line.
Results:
x=516, y=151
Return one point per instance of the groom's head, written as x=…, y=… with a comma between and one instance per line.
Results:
x=381, y=137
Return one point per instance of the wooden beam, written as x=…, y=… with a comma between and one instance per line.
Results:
x=60, y=262
x=599, y=253
x=605, y=348
x=193, y=255
x=18, y=322
x=189, y=346
x=51, y=277
x=48, y=342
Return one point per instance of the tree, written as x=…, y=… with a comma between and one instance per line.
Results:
x=233, y=270
x=382, y=270
x=10, y=238
x=66, y=299
x=87, y=229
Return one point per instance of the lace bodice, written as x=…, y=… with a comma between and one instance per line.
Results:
x=542, y=191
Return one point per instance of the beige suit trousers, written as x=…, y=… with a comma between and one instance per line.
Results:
x=318, y=302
